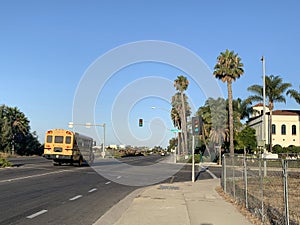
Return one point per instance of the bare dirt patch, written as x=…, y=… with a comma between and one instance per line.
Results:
x=241, y=208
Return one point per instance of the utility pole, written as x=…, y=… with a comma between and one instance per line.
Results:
x=88, y=125
x=264, y=114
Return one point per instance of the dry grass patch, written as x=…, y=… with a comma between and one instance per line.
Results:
x=241, y=208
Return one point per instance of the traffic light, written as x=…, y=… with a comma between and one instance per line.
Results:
x=197, y=125
x=140, y=122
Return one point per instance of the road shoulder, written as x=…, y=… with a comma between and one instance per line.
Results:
x=115, y=212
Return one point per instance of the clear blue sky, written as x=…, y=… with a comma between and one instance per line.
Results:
x=46, y=47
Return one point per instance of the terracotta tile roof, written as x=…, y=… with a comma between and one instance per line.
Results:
x=286, y=112
x=259, y=105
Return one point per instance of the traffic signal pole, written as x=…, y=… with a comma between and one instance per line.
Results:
x=196, y=130
x=193, y=159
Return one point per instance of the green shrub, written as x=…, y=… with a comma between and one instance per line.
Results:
x=197, y=158
x=277, y=149
x=5, y=163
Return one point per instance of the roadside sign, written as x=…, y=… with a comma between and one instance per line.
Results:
x=175, y=130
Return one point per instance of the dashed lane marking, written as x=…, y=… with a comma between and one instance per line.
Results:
x=108, y=182
x=37, y=214
x=93, y=190
x=75, y=198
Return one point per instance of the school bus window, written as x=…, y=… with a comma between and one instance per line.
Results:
x=49, y=139
x=59, y=139
x=68, y=140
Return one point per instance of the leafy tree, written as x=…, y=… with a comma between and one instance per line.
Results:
x=29, y=145
x=181, y=84
x=275, y=90
x=15, y=124
x=228, y=69
x=15, y=133
x=294, y=94
x=172, y=144
x=246, y=138
x=157, y=149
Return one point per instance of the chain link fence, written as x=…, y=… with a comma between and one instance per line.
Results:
x=268, y=188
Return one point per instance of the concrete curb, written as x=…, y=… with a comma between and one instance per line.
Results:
x=115, y=212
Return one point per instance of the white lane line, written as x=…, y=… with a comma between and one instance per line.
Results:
x=75, y=198
x=211, y=174
x=119, y=177
x=172, y=179
x=92, y=190
x=37, y=214
x=32, y=176
x=108, y=182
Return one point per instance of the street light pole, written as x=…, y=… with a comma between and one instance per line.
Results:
x=264, y=114
x=103, y=147
x=264, y=99
x=88, y=125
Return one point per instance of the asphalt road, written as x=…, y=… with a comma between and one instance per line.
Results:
x=36, y=192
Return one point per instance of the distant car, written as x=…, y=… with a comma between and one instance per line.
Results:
x=162, y=154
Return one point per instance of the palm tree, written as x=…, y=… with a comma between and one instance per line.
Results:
x=242, y=108
x=218, y=116
x=181, y=84
x=176, y=113
x=228, y=69
x=15, y=124
x=204, y=112
x=175, y=118
x=214, y=116
x=2, y=136
x=176, y=122
x=294, y=94
x=275, y=90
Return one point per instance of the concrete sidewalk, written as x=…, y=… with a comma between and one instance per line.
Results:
x=184, y=203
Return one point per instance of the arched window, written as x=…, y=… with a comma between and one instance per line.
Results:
x=283, y=129
x=273, y=129
x=294, y=132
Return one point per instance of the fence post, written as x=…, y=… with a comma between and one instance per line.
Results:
x=285, y=189
x=233, y=175
x=261, y=189
x=246, y=182
x=224, y=173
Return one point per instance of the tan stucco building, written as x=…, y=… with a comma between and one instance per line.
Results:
x=285, y=126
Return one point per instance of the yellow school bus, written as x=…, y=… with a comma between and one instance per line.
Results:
x=64, y=146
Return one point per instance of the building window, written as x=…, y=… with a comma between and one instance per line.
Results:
x=273, y=129
x=294, y=132
x=283, y=129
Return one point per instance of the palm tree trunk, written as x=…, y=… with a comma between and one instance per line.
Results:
x=205, y=143
x=179, y=143
x=183, y=121
x=184, y=125
x=231, y=146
